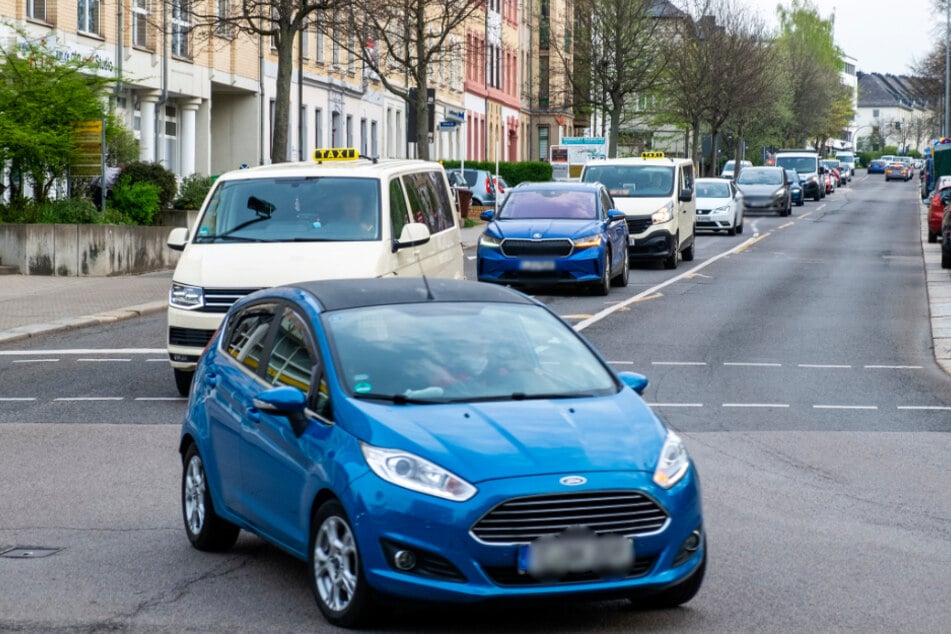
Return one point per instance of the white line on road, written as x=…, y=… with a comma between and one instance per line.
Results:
x=21, y=353
x=97, y=360
x=678, y=363
x=781, y=405
x=675, y=404
x=162, y=398
x=893, y=367
x=845, y=407
x=935, y=408
x=89, y=398
x=621, y=362
x=16, y=398
x=35, y=360
x=824, y=365
x=751, y=364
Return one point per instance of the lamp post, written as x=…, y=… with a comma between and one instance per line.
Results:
x=947, y=65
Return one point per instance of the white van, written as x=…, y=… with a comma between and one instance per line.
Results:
x=657, y=195
x=729, y=168
x=810, y=171
x=339, y=216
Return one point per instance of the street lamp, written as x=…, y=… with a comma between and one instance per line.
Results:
x=947, y=65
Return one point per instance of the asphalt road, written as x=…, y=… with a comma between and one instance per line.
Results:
x=797, y=367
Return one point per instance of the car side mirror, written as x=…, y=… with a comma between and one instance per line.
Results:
x=635, y=381
x=616, y=214
x=487, y=215
x=413, y=234
x=686, y=195
x=177, y=238
x=285, y=401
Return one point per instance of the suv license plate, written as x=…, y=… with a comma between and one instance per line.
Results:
x=556, y=556
x=537, y=265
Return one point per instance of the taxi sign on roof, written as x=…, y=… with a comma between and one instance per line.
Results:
x=336, y=154
x=652, y=155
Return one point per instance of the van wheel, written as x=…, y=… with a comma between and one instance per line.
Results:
x=946, y=258
x=688, y=252
x=818, y=195
x=183, y=381
x=670, y=262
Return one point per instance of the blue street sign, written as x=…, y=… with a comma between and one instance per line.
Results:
x=445, y=126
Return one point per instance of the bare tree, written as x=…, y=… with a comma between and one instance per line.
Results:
x=402, y=43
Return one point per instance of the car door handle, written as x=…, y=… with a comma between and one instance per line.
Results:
x=211, y=379
x=253, y=414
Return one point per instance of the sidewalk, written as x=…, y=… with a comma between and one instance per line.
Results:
x=36, y=304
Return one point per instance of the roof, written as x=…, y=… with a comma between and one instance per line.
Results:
x=349, y=168
x=341, y=294
x=888, y=91
x=568, y=186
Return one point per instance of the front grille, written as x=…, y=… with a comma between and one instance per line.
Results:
x=189, y=337
x=219, y=300
x=521, y=520
x=512, y=247
x=638, y=225
x=510, y=576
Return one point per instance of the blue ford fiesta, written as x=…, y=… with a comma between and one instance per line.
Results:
x=548, y=234
x=376, y=430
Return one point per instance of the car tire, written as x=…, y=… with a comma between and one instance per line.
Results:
x=818, y=195
x=603, y=286
x=932, y=237
x=688, y=252
x=205, y=529
x=739, y=227
x=675, y=595
x=183, y=381
x=335, y=570
x=670, y=262
x=732, y=230
x=621, y=280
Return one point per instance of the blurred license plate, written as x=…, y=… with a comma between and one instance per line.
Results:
x=573, y=552
x=537, y=265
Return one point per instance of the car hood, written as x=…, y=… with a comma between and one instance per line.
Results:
x=758, y=190
x=505, y=439
x=712, y=203
x=543, y=228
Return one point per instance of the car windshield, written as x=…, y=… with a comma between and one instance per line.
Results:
x=459, y=351
x=548, y=203
x=753, y=176
x=802, y=164
x=633, y=181
x=713, y=190
x=292, y=209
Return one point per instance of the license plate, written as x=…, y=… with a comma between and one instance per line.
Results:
x=537, y=265
x=576, y=552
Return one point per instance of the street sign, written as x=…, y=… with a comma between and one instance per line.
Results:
x=447, y=126
x=456, y=115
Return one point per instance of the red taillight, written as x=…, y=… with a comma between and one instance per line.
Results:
x=488, y=185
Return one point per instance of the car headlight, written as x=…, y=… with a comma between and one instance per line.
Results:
x=588, y=241
x=722, y=210
x=412, y=472
x=779, y=194
x=490, y=242
x=664, y=214
x=673, y=462
x=185, y=296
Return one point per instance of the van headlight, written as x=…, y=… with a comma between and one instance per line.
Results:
x=417, y=474
x=185, y=296
x=673, y=462
x=664, y=214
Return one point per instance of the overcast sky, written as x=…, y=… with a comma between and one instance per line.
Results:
x=884, y=36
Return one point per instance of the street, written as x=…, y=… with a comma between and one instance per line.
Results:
x=795, y=360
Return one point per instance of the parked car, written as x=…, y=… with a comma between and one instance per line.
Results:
x=939, y=201
x=876, y=166
x=810, y=171
x=828, y=178
x=729, y=168
x=553, y=234
x=719, y=206
x=380, y=431
x=482, y=183
x=796, y=192
x=765, y=188
x=946, y=239
x=837, y=171
x=847, y=161
x=897, y=170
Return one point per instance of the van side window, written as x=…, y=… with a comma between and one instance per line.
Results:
x=399, y=215
x=687, y=176
x=429, y=200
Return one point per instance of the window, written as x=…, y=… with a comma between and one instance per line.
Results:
x=398, y=213
x=181, y=28
x=36, y=9
x=222, y=11
x=374, y=143
x=292, y=359
x=429, y=201
x=318, y=127
x=171, y=138
x=305, y=41
x=140, y=23
x=363, y=137
x=543, y=143
x=247, y=336
x=335, y=46
x=88, y=16
x=349, y=131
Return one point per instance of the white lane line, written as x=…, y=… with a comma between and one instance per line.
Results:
x=824, y=365
x=779, y=405
x=675, y=404
x=678, y=363
x=931, y=408
x=161, y=398
x=621, y=362
x=893, y=367
x=98, y=360
x=35, y=360
x=89, y=398
x=864, y=407
x=630, y=300
x=753, y=365
x=23, y=353
x=16, y=398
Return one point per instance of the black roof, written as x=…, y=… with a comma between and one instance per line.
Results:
x=354, y=293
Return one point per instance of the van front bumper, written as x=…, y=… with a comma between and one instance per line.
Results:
x=657, y=245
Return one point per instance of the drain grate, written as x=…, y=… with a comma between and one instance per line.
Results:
x=27, y=552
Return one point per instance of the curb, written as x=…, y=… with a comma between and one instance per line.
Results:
x=72, y=323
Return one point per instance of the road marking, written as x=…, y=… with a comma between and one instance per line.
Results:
x=676, y=404
x=16, y=398
x=788, y=224
x=893, y=367
x=621, y=362
x=97, y=360
x=867, y=407
x=752, y=364
x=781, y=405
x=824, y=365
x=678, y=363
x=155, y=360
x=161, y=398
x=35, y=360
x=22, y=353
x=89, y=398
x=934, y=408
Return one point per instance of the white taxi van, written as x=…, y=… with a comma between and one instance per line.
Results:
x=338, y=216
x=657, y=195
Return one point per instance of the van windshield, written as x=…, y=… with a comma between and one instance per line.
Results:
x=802, y=164
x=292, y=209
x=633, y=181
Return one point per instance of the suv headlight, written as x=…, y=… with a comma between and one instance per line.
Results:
x=417, y=474
x=490, y=242
x=588, y=241
x=185, y=296
x=673, y=462
x=664, y=214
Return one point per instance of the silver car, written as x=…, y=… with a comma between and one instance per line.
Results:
x=719, y=206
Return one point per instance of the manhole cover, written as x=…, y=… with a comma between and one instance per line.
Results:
x=28, y=552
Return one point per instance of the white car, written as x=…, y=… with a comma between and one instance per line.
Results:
x=719, y=206
x=729, y=169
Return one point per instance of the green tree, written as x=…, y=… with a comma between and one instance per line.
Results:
x=42, y=96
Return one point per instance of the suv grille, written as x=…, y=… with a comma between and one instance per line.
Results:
x=521, y=520
x=219, y=300
x=638, y=225
x=557, y=248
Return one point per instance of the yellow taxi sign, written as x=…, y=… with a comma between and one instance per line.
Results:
x=652, y=155
x=336, y=154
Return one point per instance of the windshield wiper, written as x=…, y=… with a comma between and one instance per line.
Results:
x=522, y=396
x=398, y=399
x=229, y=238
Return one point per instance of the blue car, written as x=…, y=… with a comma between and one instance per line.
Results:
x=549, y=234
x=795, y=188
x=376, y=429
x=877, y=166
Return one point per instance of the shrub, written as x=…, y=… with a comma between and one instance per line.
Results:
x=513, y=173
x=139, y=201
x=155, y=174
x=193, y=191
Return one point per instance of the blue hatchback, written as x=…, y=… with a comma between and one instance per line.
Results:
x=796, y=192
x=548, y=234
x=378, y=431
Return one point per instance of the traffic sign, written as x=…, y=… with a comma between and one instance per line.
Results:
x=456, y=115
x=447, y=126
